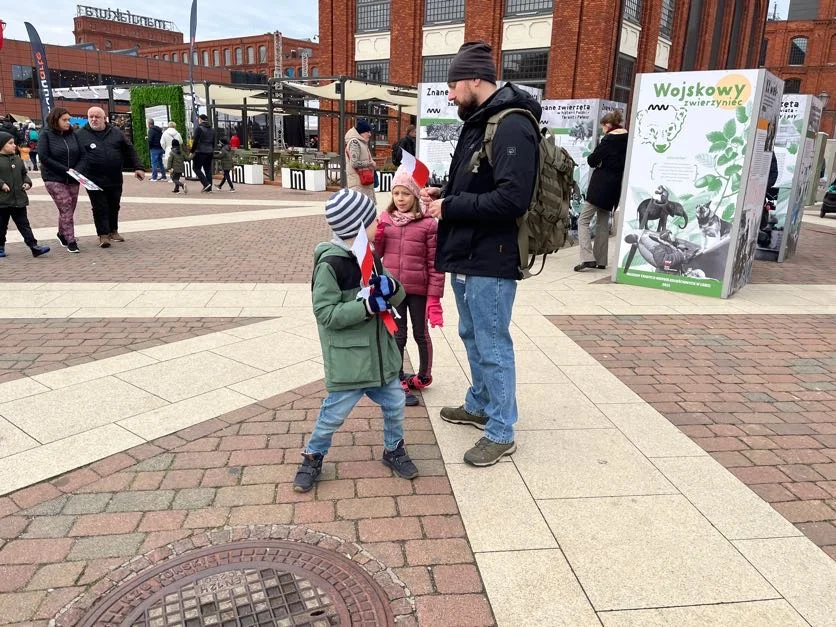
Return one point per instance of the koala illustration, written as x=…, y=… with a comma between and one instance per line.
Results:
x=659, y=125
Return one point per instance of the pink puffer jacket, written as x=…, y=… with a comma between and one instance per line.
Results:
x=408, y=252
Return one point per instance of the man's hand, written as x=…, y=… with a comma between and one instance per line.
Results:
x=140, y=174
x=435, y=209
x=6, y=188
x=26, y=187
x=430, y=193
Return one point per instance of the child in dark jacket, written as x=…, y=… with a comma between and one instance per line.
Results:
x=227, y=163
x=176, y=165
x=14, y=182
x=406, y=240
x=358, y=352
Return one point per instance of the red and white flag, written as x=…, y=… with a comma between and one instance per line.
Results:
x=363, y=251
x=420, y=172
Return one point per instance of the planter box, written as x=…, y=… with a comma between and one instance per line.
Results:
x=384, y=181
x=250, y=174
x=308, y=180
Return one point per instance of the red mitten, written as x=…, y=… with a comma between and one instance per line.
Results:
x=435, y=315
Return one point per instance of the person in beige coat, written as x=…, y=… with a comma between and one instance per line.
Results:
x=359, y=156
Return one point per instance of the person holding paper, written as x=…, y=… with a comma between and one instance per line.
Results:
x=104, y=150
x=60, y=152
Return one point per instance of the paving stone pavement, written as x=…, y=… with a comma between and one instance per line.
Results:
x=32, y=347
x=60, y=538
x=760, y=397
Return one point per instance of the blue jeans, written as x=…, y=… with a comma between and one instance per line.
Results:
x=157, y=163
x=337, y=405
x=485, y=305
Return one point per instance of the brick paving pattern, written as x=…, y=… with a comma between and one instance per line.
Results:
x=813, y=264
x=31, y=347
x=60, y=538
x=267, y=251
x=759, y=396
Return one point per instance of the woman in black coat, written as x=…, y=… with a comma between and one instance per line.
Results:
x=607, y=161
x=60, y=151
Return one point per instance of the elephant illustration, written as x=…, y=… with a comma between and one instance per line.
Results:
x=659, y=208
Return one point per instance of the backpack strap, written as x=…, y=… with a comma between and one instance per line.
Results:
x=490, y=130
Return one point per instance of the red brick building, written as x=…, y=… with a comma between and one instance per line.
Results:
x=114, y=29
x=79, y=67
x=802, y=51
x=251, y=59
x=571, y=48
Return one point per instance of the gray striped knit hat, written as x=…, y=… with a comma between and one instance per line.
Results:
x=346, y=209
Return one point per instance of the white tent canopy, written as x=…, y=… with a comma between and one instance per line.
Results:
x=358, y=90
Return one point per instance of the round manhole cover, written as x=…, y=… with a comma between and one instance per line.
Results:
x=247, y=584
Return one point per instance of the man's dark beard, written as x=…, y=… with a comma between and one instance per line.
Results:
x=467, y=109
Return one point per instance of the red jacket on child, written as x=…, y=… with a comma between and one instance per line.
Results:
x=408, y=252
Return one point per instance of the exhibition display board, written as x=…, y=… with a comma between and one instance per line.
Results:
x=697, y=165
x=794, y=150
x=575, y=125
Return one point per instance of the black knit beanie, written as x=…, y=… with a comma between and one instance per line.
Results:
x=473, y=60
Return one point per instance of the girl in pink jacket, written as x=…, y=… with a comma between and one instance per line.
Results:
x=406, y=241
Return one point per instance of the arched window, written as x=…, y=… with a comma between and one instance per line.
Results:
x=216, y=57
x=227, y=57
x=206, y=58
x=315, y=71
x=250, y=55
x=792, y=86
x=831, y=57
x=185, y=57
x=798, y=50
x=239, y=56
x=165, y=57
x=262, y=54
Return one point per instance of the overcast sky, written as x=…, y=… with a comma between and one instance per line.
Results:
x=216, y=19
x=783, y=7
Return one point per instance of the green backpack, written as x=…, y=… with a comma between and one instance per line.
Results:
x=545, y=226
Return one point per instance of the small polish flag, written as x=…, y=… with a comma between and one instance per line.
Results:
x=420, y=172
x=363, y=251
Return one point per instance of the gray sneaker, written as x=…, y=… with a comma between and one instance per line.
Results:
x=459, y=416
x=487, y=453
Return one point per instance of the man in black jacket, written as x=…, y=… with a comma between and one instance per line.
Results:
x=155, y=148
x=104, y=150
x=203, y=150
x=477, y=241
x=407, y=142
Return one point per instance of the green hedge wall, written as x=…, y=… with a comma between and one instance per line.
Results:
x=152, y=96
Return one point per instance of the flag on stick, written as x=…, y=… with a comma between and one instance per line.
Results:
x=363, y=251
x=419, y=171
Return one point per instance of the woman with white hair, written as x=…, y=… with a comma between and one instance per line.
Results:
x=169, y=135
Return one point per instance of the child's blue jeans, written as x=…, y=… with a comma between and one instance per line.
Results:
x=337, y=405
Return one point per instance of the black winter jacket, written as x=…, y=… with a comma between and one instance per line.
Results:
x=607, y=161
x=58, y=152
x=477, y=234
x=204, y=139
x=104, y=154
x=155, y=134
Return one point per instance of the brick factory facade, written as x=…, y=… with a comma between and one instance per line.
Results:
x=78, y=67
x=802, y=51
x=571, y=49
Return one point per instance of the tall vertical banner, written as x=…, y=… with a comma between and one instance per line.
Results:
x=192, y=35
x=41, y=71
x=698, y=159
x=795, y=141
x=575, y=126
x=438, y=130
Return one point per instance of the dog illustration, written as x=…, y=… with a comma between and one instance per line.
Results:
x=659, y=208
x=710, y=224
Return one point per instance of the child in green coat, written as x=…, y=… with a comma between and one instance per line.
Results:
x=227, y=163
x=176, y=166
x=14, y=183
x=360, y=356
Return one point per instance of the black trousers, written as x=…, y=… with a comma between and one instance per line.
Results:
x=202, y=163
x=416, y=307
x=106, y=209
x=175, y=176
x=227, y=179
x=21, y=220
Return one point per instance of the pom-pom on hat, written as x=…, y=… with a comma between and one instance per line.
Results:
x=346, y=209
